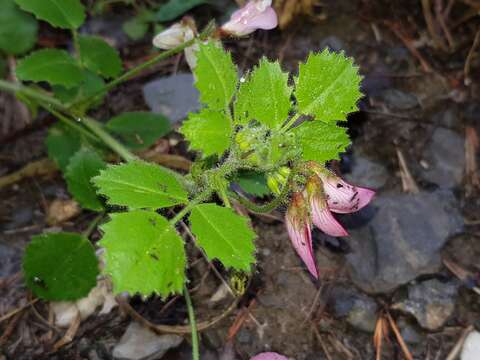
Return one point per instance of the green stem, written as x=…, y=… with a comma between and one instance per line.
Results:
x=88, y=231
x=193, y=324
x=108, y=139
x=138, y=69
x=51, y=104
x=76, y=45
x=194, y=202
x=279, y=200
x=33, y=93
x=71, y=123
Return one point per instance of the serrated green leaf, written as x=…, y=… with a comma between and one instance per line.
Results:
x=139, y=129
x=143, y=254
x=83, y=166
x=174, y=8
x=91, y=85
x=60, y=266
x=62, y=143
x=253, y=183
x=216, y=76
x=328, y=86
x=18, y=30
x=208, y=131
x=138, y=184
x=320, y=141
x=98, y=56
x=264, y=96
x=65, y=14
x=54, y=66
x=223, y=235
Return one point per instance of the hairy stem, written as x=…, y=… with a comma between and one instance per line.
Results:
x=193, y=324
x=279, y=200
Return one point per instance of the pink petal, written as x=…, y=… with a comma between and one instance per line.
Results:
x=267, y=20
x=324, y=220
x=344, y=198
x=255, y=15
x=301, y=238
x=269, y=356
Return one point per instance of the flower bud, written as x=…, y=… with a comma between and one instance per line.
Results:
x=273, y=184
x=176, y=35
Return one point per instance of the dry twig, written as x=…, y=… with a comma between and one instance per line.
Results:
x=471, y=167
x=173, y=329
x=399, y=338
x=468, y=61
x=408, y=183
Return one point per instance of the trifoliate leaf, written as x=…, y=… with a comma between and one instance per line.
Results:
x=328, y=86
x=223, y=235
x=138, y=184
x=143, y=254
x=60, y=266
x=98, y=56
x=321, y=142
x=54, y=66
x=83, y=166
x=264, y=96
x=253, y=183
x=65, y=14
x=216, y=76
x=174, y=8
x=91, y=85
x=62, y=143
x=139, y=129
x=208, y=131
x=18, y=30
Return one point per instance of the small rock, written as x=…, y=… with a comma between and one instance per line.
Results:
x=139, y=343
x=359, y=310
x=399, y=237
x=399, y=100
x=61, y=210
x=445, y=156
x=471, y=347
x=409, y=333
x=100, y=296
x=10, y=259
x=21, y=217
x=333, y=43
x=431, y=302
x=173, y=96
x=447, y=118
x=367, y=173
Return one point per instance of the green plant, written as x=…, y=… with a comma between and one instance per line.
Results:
x=267, y=131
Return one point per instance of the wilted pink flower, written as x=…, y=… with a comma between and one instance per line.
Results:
x=342, y=197
x=321, y=215
x=257, y=14
x=269, y=356
x=300, y=232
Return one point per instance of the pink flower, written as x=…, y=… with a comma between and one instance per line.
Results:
x=342, y=197
x=257, y=14
x=269, y=356
x=300, y=232
x=321, y=215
